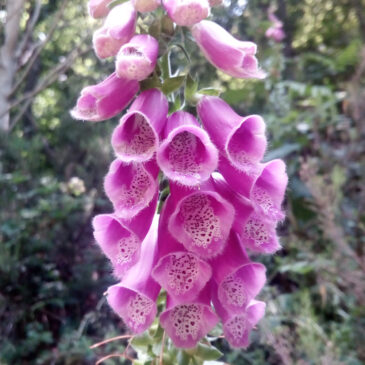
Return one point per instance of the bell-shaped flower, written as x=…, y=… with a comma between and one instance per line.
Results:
x=276, y=31
x=187, y=12
x=134, y=298
x=144, y=6
x=232, y=56
x=268, y=191
x=186, y=324
x=237, y=327
x=201, y=221
x=131, y=187
x=137, y=58
x=121, y=240
x=98, y=8
x=238, y=279
x=104, y=100
x=118, y=29
x=136, y=138
x=181, y=273
x=241, y=140
x=186, y=156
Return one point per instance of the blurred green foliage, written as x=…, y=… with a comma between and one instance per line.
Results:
x=52, y=276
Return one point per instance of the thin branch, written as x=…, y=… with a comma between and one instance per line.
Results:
x=162, y=348
x=113, y=355
x=124, y=337
x=55, y=24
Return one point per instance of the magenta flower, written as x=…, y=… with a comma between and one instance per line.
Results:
x=137, y=58
x=98, y=8
x=216, y=44
x=238, y=279
x=130, y=187
x=134, y=299
x=121, y=240
x=187, y=155
x=186, y=324
x=237, y=327
x=276, y=31
x=136, y=138
x=268, y=191
x=241, y=140
x=187, y=12
x=144, y=6
x=118, y=29
x=181, y=273
x=104, y=100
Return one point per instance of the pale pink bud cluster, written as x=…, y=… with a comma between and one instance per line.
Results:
x=222, y=202
x=275, y=31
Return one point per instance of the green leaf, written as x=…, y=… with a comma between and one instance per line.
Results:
x=210, y=91
x=301, y=267
x=142, y=342
x=183, y=358
x=206, y=352
x=172, y=84
x=167, y=25
x=115, y=3
x=191, y=87
x=150, y=83
x=176, y=105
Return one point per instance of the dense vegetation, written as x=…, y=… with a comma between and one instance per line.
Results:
x=52, y=276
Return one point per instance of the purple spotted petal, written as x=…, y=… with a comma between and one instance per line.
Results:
x=234, y=57
x=187, y=155
x=186, y=324
x=134, y=299
x=137, y=58
x=104, y=100
x=131, y=187
x=187, y=12
x=181, y=273
x=238, y=279
x=121, y=240
x=136, y=138
x=118, y=29
x=201, y=221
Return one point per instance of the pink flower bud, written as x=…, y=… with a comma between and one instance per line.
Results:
x=137, y=59
x=187, y=155
x=216, y=44
x=145, y=6
x=118, y=29
x=98, y=8
x=187, y=12
x=186, y=324
x=276, y=33
x=104, y=100
x=134, y=299
x=131, y=187
x=121, y=240
x=181, y=273
x=136, y=138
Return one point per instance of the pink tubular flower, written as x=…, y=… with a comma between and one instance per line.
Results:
x=181, y=273
x=137, y=136
x=186, y=324
x=134, y=299
x=118, y=29
x=187, y=12
x=130, y=187
x=187, y=155
x=137, y=58
x=144, y=6
x=241, y=140
x=121, y=240
x=98, y=8
x=276, y=31
x=268, y=191
x=234, y=57
x=104, y=100
x=237, y=327
x=238, y=279
x=201, y=221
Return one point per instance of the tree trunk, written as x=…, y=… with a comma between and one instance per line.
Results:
x=8, y=61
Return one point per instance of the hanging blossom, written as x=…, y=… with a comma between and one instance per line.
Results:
x=276, y=30
x=219, y=201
